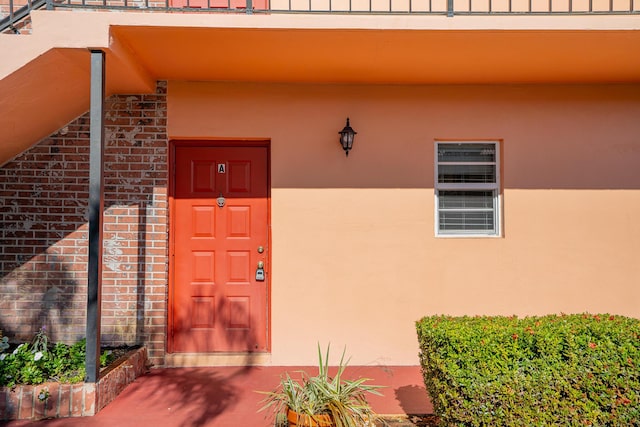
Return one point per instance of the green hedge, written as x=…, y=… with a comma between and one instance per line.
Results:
x=567, y=370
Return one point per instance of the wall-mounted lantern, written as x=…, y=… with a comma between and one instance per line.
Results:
x=347, y=135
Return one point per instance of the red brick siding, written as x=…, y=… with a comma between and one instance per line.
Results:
x=43, y=230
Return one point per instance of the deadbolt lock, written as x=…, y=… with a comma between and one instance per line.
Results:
x=221, y=201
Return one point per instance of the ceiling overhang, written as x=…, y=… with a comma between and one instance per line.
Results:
x=370, y=56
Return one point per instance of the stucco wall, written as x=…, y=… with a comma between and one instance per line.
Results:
x=354, y=257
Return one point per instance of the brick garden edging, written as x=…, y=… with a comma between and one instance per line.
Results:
x=72, y=400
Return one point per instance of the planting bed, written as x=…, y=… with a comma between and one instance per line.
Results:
x=56, y=400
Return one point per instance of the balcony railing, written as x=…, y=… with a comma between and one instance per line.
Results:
x=13, y=11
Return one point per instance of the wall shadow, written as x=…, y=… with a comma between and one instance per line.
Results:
x=414, y=400
x=553, y=136
x=46, y=286
x=38, y=304
x=141, y=279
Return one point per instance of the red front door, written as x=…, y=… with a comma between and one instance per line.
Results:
x=219, y=229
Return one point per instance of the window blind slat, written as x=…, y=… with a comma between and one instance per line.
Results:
x=466, y=173
x=466, y=152
x=465, y=199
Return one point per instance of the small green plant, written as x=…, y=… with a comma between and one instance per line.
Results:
x=40, y=361
x=344, y=401
x=44, y=394
x=40, y=341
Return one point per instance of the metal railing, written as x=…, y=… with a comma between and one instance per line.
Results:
x=11, y=14
x=14, y=11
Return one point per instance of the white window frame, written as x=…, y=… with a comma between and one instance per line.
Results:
x=494, y=186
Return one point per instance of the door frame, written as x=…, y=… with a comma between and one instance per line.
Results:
x=213, y=143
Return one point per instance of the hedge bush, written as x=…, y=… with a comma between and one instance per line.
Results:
x=566, y=370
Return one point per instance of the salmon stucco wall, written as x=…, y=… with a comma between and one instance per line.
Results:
x=355, y=260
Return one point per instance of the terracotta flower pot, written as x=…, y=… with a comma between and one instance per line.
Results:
x=303, y=420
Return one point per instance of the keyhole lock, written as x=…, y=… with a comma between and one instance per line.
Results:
x=260, y=249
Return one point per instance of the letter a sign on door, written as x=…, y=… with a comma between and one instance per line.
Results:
x=221, y=168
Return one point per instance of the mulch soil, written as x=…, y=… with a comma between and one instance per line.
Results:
x=428, y=420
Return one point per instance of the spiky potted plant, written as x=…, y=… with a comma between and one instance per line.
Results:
x=322, y=400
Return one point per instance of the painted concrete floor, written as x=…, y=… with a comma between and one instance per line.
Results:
x=226, y=397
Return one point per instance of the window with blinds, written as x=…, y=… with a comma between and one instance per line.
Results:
x=467, y=188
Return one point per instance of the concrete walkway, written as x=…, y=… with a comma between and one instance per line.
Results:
x=226, y=397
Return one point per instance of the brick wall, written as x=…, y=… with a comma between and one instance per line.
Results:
x=43, y=230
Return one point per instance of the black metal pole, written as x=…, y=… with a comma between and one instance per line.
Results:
x=96, y=207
